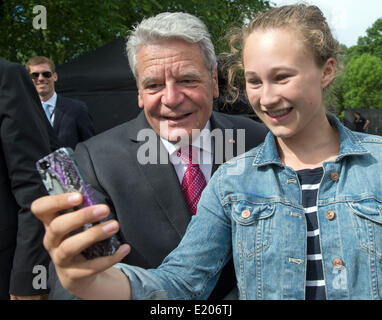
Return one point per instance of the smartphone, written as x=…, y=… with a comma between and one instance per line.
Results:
x=60, y=174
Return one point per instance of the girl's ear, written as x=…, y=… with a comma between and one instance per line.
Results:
x=215, y=84
x=328, y=72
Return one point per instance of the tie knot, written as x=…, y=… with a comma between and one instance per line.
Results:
x=189, y=155
x=48, y=109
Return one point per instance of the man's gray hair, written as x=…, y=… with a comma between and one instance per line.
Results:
x=166, y=25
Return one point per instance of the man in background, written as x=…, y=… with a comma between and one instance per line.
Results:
x=25, y=137
x=360, y=123
x=70, y=118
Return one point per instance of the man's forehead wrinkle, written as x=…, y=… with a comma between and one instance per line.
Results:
x=167, y=62
x=175, y=69
x=157, y=63
x=151, y=55
x=187, y=74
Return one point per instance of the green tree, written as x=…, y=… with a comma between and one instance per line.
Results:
x=371, y=43
x=75, y=27
x=360, y=86
x=218, y=15
x=362, y=82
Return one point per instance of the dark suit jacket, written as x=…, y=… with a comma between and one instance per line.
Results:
x=147, y=199
x=72, y=122
x=25, y=137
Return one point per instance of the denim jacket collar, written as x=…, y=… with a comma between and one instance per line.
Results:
x=350, y=145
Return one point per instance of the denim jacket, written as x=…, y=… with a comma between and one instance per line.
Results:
x=251, y=209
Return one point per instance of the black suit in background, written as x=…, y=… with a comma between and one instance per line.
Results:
x=25, y=136
x=72, y=121
x=147, y=199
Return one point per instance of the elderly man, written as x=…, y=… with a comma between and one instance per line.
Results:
x=153, y=198
x=70, y=118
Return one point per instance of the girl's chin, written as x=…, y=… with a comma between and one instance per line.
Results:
x=282, y=133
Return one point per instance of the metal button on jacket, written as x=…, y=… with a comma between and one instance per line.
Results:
x=337, y=263
x=245, y=213
x=330, y=214
x=334, y=176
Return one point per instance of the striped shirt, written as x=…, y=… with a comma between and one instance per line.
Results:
x=315, y=284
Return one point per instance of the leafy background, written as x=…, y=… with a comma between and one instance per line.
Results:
x=76, y=27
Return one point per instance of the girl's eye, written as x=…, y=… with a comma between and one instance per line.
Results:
x=282, y=77
x=255, y=82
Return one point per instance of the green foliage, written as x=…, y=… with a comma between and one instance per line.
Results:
x=371, y=43
x=218, y=15
x=75, y=27
x=362, y=82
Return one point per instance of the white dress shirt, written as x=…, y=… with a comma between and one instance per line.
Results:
x=204, y=143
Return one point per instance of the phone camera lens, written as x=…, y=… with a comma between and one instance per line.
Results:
x=44, y=165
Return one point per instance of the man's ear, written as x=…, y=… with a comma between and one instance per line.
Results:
x=140, y=100
x=328, y=72
x=55, y=76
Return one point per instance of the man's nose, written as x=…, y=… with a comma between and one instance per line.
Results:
x=40, y=77
x=172, y=96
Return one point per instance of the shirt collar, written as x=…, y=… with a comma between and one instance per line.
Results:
x=52, y=100
x=350, y=145
x=202, y=141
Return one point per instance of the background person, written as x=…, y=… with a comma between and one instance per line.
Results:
x=70, y=118
x=360, y=122
x=25, y=137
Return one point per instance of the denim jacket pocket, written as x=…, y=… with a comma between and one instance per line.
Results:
x=367, y=221
x=253, y=226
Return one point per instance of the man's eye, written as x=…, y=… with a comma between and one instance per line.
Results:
x=188, y=81
x=152, y=86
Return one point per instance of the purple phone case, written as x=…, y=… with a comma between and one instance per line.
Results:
x=60, y=174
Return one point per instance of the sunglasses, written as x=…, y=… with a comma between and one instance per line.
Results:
x=45, y=74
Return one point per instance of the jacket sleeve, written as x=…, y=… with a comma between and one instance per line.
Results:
x=192, y=269
x=25, y=137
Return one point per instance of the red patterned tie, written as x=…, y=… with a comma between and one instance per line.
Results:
x=193, y=181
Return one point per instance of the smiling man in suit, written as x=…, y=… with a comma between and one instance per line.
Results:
x=70, y=118
x=174, y=63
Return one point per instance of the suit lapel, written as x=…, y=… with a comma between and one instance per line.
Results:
x=58, y=114
x=162, y=178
